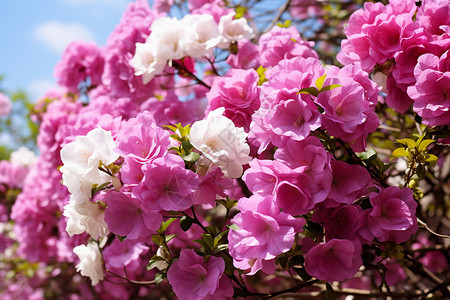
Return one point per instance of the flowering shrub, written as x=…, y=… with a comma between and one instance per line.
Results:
x=216, y=156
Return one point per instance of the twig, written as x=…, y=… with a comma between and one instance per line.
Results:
x=425, y=225
x=282, y=9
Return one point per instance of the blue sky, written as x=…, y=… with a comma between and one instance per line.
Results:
x=33, y=35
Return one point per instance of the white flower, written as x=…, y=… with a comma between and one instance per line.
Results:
x=85, y=217
x=91, y=262
x=221, y=142
x=166, y=34
x=146, y=61
x=201, y=33
x=233, y=30
x=81, y=159
x=23, y=157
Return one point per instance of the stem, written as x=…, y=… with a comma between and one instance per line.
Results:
x=281, y=11
x=425, y=225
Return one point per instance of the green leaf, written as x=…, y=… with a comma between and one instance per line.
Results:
x=202, y=243
x=407, y=142
x=240, y=12
x=157, y=239
x=400, y=152
x=186, y=223
x=187, y=146
x=330, y=294
x=233, y=227
x=302, y=273
x=170, y=237
x=262, y=77
x=159, y=277
x=330, y=87
x=191, y=158
x=166, y=224
x=222, y=247
x=424, y=144
x=420, y=171
x=218, y=237
x=320, y=81
x=309, y=91
x=431, y=159
x=121, y=238
x=367, y=154
x=173, y=128
x=208, y=240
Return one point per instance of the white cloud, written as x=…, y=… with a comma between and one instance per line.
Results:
x=57, y=35
x=37, y=88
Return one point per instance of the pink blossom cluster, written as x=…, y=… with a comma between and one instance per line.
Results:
x=206, y=178
x=398, y=41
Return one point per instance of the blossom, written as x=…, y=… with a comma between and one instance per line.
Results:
x=23, y=157
x=232, y=30
x=335, y=260
x=238, y=93
x=221, y=142
x=91, y=263
x=264, y=231
x=5, y=105
x=192, y=278
x=85, y=217
x=127, y=216
x=167, y=185
x=392, y=217
x=80, y=61
x=81, y=160
x=283, y=43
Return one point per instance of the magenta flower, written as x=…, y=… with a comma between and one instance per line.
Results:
x=264, y=232
x=192, y=278
x=127, y=216
x=238, y=93
x=432, y=90
x=335, y=260
x=79, y=62
x=167, y=185
x=392, y=217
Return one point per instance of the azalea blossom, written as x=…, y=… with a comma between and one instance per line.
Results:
x=221, y=142
x=91, y=263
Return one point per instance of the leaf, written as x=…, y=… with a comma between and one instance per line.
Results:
x=431, y=159
x=170, y=237
x=400, y=152
x=159, y=277
x=407, y=142
x=121, y=238
x=330, y=294
x=420, y=171
x=424, y=144
x=173, y=128
x=191, y=158
x=302, y=273
x=157, y=239
x=166, y=224
x=218, y=237
x=186, y=223
x=320, y=81
x=367, y=154
x=330, y=87
x=309, y=91
x=153, y=262
x=208, y=240
x=176, y=137
x=240, y=12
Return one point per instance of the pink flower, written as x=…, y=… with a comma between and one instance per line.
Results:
x=247, y=56
x=238, y=93
x=341, y=222
x=432, y=90
x=309, y=160
x=167, y=185
x=80, y=61
x=283, y=43
x=335, y=260
x=348, y=112
x=192, y=278
x=349, y=182
x=433, y=14
x=5, y=105
x=392, y=217
x=127, y=216
x=264, y=232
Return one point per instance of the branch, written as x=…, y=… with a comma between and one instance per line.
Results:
x=425, y=225
x=282, y=9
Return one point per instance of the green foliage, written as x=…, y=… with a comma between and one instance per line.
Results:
x=185, y=148
x=319, y=88
x=262, y=77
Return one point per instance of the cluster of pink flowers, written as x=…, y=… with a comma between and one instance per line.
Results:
x=401, y=41
x=158, y=142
